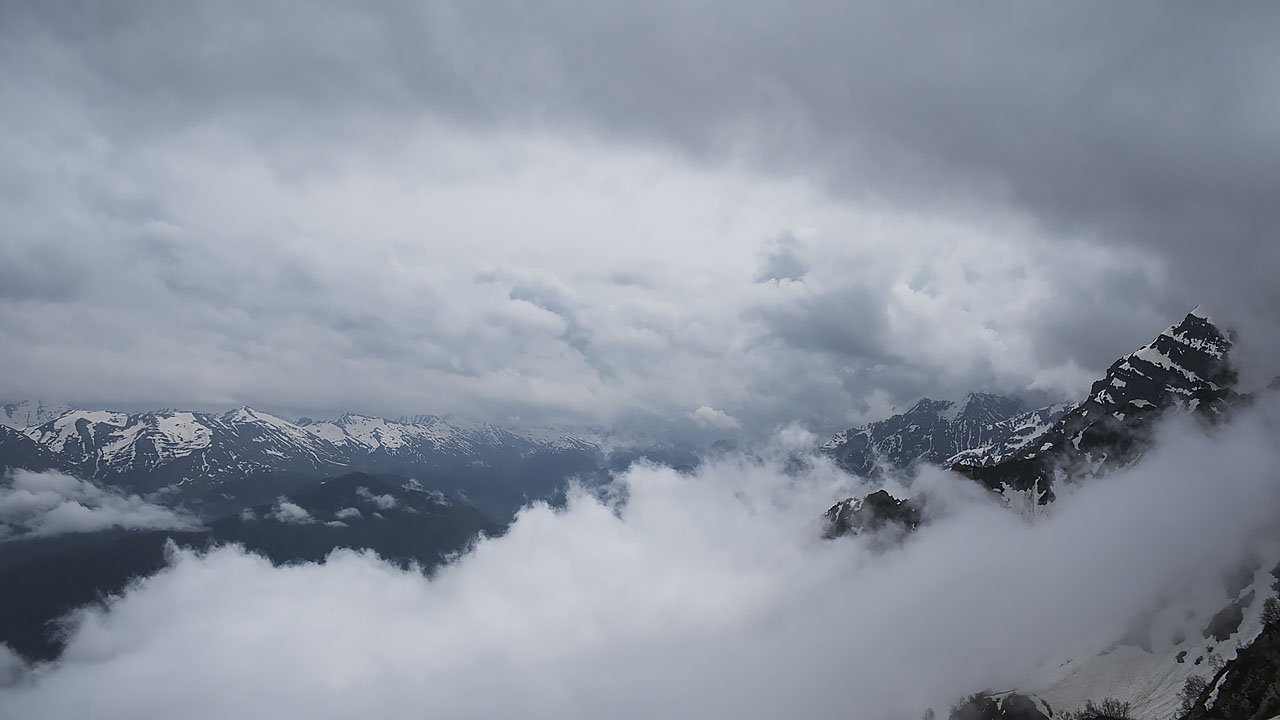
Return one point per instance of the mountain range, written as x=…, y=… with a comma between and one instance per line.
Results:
x=419, y=489
x=414, y=490
x=219, y=462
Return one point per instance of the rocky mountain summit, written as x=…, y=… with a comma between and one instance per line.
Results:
x=1185, y=368
x=1022, y=455
x=874, y=513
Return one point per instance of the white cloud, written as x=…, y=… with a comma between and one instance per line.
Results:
x=52, y=503
x=705, y=595
x=709, y=417
x=289, y=512
x=347, y=513
x=382, y=502
x=11, y=666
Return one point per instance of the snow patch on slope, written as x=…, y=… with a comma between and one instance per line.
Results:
x=22, y=415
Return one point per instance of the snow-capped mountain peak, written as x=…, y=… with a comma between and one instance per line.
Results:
x=166, y=446
x=1187, y=366
x=1184, y=361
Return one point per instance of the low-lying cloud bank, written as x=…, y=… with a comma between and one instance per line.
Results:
x=706, y=595
x=38, y=504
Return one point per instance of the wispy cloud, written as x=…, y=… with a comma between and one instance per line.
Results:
x=38, y=504
x=290, y=512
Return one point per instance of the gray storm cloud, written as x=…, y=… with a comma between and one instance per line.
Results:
x=704, y=595
x=294, y=205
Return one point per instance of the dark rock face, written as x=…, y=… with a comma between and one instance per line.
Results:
x=1225, y=624
x=936, y=430
x=1011, y=435
x=1012, y=706
x=871, y=514
x=19, y=451
x=1187, y=366
x=1248, y=686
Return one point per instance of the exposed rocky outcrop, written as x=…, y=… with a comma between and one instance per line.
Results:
x=1006, y=706
x=874, y=513
x=983, y=428
x=1247, y=687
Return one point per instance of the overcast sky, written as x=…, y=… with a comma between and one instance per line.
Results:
x=727, y=213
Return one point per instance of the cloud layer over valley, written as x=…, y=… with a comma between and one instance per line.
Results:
x=40, y=504
x=704, y=594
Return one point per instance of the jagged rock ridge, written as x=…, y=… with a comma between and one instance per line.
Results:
x=1186, y=367
x=985, y=426
x=873, y=513
x=155, y=449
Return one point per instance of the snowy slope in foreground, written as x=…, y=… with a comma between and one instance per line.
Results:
x=1188, y=637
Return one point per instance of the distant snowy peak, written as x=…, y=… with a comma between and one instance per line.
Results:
x=985, y=408
x=24, y=414
x=186, y=445
x=443, y=436
x=164, y=447
x=937, y=430
x=278, y=438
